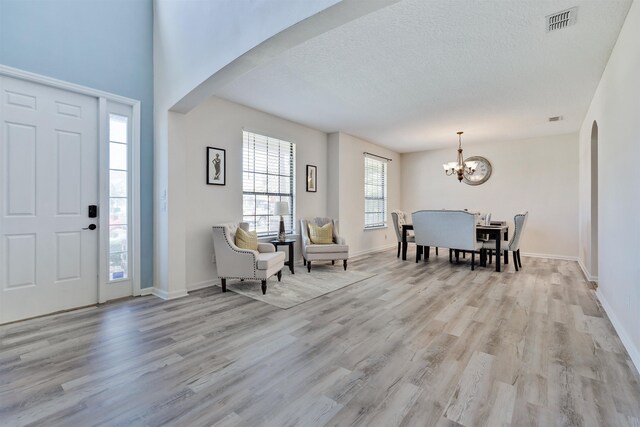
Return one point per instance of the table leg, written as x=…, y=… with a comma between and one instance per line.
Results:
x=291, y=259
x=498, y=253
x=404, y=244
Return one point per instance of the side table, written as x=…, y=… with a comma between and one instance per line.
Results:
x=290, y=243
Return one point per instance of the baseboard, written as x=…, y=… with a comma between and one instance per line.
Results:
x=146, y=291
x=634, y=353
x=200, y=285
x=161, y=293
x=562, y=257
x=587, y=276
x=372, y=251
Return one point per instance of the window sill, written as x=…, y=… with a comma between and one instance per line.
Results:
x=382, y=227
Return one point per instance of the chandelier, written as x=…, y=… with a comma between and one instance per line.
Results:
x=460, y=167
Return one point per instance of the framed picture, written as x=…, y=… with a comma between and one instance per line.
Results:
x=216, y=166
x=312, y=178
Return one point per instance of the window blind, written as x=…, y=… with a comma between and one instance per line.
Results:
x=268, y=176
x=375, y=192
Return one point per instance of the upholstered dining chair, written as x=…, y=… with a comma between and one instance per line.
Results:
x=513, y=245
x=233, y=262
x=399, y=219
x=335, y=249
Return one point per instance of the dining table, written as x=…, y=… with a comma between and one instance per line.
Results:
x=497, y=230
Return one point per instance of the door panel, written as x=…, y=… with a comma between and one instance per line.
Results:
x=49, y=173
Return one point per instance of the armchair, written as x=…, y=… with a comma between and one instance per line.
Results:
x=233, y=262
x=338, y=250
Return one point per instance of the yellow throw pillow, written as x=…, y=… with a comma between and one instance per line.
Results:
x=321, y=235
x=246, y=239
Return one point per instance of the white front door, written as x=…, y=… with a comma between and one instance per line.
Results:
x=48, y=179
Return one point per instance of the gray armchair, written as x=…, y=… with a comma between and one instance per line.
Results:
x=233, y=262
x=338, y=250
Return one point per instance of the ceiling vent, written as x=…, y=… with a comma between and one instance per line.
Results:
x=561, y=20
x=555, y=118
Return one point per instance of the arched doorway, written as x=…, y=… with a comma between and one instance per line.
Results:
x=594, y=199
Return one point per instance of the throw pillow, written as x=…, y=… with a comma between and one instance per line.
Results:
x=321, y=235
x=246, y=239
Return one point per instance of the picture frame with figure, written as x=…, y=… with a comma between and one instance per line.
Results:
x=312, y=179
x=216, y=166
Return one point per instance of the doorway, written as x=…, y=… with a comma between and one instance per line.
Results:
x=68, y=196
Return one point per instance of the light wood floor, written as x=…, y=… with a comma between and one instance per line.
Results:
x=417, y=344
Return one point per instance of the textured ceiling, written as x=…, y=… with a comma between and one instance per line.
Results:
x=412, y=74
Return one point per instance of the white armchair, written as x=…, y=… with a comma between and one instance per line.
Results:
x=338, y=250
x=233, y=262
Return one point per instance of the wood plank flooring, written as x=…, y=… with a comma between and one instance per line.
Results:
x=428, y=344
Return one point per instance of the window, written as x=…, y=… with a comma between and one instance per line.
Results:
x=375, y=192
x=118, y=197
x=268, y=176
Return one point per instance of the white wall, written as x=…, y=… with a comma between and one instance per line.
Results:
x=199, y=37
x=349, y=190
x=193, y=40
x=219, y=123
x=199, y=46
x=616, y=108
x=536, y=175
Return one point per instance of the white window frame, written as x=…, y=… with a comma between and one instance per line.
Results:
x=290, y=223
x=381, y=184
x=112, y=289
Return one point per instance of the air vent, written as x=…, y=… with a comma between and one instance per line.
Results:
x=561, y=20
x=555, y=118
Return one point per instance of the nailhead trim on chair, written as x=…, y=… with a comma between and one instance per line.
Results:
x=240, y=252
x=516, y=230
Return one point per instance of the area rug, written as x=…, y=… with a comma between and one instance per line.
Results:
x=301, y=287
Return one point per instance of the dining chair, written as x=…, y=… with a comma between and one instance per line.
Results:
x=512, y=245
x=399, y=219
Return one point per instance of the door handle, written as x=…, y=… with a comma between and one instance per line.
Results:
x=91, y=227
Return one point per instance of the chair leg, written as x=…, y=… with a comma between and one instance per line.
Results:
x=515, y=260
x=436, y=250
x=264, y=287
x=519, y=260
x=418, y=252
x=308, y=266
x=345, y=265
x=490, y=256
x=457, y=256
x=473, y=261
x=280, y=276
x=224, y=285
x=304, y=261
x=333, y=262
x=399, y=247
x=450, y=255
x=506, y=257
x=464, y=254
x=426, y=252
